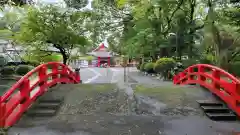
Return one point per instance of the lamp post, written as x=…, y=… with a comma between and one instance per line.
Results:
x=124, y=68
x=176, y=41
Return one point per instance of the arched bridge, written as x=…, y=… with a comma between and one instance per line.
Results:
x=22, y=94
x=218, y=81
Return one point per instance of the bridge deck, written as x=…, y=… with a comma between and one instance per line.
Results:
x=101, y=109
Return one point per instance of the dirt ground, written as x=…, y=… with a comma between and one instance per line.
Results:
x=104, y=109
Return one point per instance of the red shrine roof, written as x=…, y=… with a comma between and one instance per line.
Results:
x=101, y=51
x=101, y=47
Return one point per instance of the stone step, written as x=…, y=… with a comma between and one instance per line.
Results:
x=41, y=112
x=222, y=116
x=50, y=100
x=215, y=109
x=209, y=103
x=48, y=105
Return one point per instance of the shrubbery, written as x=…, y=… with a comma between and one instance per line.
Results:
x=164, y=66
x=8, y=70
x=234, y=68
x=142, y=67
x=189, y=62
x=23, y=69
x=138, y=66
x=148, y=67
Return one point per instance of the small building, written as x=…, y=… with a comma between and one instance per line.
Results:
x=102, y=54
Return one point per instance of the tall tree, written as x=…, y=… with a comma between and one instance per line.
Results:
x=49, y=26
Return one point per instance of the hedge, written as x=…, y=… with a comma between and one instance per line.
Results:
x=23, y=69
x=148, y=67
x=7, y=70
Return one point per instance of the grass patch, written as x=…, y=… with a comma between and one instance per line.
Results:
x=171, y=95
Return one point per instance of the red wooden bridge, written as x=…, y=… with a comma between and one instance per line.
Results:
x=218, y=81
x=19, y=98
x=22, y=95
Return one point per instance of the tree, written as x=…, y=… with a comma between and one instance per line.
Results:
x=14, y=2
x=142, y=28
x=78, y=4
x=9, y=25
x=49, y=26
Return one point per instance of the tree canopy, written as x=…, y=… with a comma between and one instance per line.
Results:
x=50, y=26
x=205, y=29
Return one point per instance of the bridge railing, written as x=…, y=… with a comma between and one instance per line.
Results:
x=15, y=101
x=218, y=81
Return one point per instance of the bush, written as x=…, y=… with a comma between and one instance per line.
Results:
x=164, y=66
x=206, y=61
x=148, y=67
x=34, y=63
x=8, y=70
x=3, y=61
x=23, y=69
x=189, y=62
x=234, y=69
x=142, y=67
x=138, y=66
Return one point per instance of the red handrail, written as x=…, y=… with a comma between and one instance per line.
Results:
x=218, y=81
x=22, y=94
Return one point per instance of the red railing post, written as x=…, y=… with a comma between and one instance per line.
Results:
x=201, y=70
x=77, y=75
x=216, y=76
x=237, y=100
x=24, y=89
x=64, y=73
x=55, y=70
x=42, y=73
x=2, y=113
x=190, y=70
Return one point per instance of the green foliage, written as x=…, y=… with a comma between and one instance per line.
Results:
x=76, y=3
x=37, y=57
x=34, y=63
x=189, y=62
x=234, y=68
x=138, y=66
x=142, y=67
x=164, y=66
x=7, y=70
x=148, y=67
x=51, y=26
x=89, y=58
x=23, y=69
x=3, y=61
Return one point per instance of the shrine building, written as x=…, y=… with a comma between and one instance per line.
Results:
x=102, y=54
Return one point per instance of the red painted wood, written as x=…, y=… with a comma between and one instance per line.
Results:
x=108, y=61
x=99, y=60
x=22, y=94
x=218, y=81
x=102, y=46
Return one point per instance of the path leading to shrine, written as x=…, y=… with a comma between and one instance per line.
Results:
x=104, y=75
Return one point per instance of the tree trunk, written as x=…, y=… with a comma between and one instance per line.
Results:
x=65, y=58
x=64, y=55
